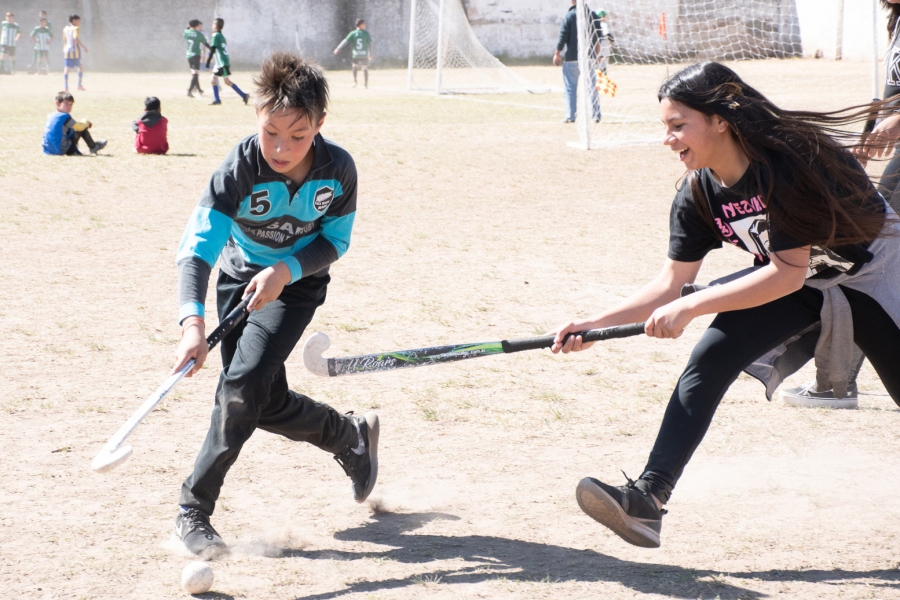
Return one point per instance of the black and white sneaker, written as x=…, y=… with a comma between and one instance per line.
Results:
x=361, y=463
x=629, y=511
x=193, y=529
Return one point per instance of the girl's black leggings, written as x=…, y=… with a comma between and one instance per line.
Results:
x=732, y=342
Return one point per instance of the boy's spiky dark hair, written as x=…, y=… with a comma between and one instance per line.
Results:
x=63, y=96
x=287, y=81
x=193, y=22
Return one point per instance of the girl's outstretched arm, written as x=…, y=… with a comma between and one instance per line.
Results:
x=663, y=289
x=784, y=275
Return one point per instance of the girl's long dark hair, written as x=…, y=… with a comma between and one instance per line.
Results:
x=893, y=17
x=817, y=195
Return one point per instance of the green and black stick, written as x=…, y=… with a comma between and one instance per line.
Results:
x=404, y=359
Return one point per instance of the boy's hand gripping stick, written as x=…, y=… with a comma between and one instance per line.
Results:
x=112, y=455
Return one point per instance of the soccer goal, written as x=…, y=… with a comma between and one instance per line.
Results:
x=446, y=57
x=628, y=48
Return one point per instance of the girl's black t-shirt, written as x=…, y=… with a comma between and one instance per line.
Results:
x=740, y=216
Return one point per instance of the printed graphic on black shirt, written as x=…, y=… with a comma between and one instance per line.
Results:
x=276, y=233
x=892, y=63
x=740, y=216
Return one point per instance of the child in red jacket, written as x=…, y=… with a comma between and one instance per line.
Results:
x=151, y=129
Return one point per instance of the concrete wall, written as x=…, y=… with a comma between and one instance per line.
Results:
x=517, y=28
x=146, y=34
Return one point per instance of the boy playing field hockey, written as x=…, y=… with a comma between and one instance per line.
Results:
x=360, y=50
x=277, y=212
x=218, y=49
x=195, y=39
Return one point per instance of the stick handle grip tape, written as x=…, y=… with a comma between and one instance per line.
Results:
x=225, y=327
x=594, y=335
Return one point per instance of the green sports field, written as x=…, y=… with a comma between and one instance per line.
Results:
x=475, y=223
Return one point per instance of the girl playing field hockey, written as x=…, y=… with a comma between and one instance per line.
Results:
x=779, y=185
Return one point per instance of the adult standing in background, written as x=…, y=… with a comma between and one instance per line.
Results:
x=568, y=39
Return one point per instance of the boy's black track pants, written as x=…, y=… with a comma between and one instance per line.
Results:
x=253, y=390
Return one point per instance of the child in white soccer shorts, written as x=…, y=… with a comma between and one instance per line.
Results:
x=276, y=213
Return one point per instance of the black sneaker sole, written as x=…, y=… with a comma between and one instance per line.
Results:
x=603, y=508
x=372, y=448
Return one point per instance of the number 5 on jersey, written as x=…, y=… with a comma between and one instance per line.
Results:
x=258, y=203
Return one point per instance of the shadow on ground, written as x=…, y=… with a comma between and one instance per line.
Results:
x=490, y=558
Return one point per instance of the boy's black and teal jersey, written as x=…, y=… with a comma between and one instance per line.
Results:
x=359, y=40
x=195, y=41
x=255, y=217
x=219, y=49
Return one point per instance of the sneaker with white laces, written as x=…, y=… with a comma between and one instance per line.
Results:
x=192, y=527
x=628, y=510
x=360, y=463
x=807, y=396
x=98, y=146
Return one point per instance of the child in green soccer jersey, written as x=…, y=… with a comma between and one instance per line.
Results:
x=360, y=50
x=195, y=39
x=41, y=36
x=9, y=36
x=218, y=49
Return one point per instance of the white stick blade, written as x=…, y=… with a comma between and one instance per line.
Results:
x=107, y=461
x=313, y=349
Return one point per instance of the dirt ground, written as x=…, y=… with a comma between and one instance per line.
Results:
x=475, y=223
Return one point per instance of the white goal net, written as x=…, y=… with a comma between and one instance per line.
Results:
x=628, y=47
x=445, y=57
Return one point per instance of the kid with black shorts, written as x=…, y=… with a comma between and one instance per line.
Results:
x=360, y=50
x=9, y=37
x=218, y=50
x=193, y=36
x=826, y=248
x=276, y=214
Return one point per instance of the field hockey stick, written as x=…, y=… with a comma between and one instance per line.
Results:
x=404, y=359
x=112, y=455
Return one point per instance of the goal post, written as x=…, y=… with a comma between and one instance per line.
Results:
x=647, y=40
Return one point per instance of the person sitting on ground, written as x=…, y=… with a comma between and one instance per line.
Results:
x=62, y=132
x=151, y=129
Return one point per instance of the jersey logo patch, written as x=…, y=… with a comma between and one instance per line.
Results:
x=323, y=198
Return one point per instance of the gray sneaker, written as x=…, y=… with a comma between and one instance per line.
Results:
x=98, y=146
x=807, y=396
x=193, y=528
x=629, y=511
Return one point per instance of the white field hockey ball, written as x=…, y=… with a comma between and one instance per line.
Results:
x=197, y=577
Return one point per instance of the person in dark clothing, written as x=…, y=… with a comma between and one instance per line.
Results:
x=151, y=129
x=779, y=185
x=276, y=214
x=568, y=40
